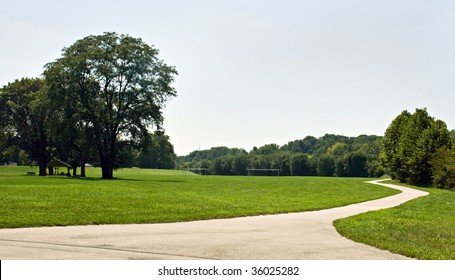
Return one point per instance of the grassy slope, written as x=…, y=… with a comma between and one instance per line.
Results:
x=153, y=196
x=423, y=228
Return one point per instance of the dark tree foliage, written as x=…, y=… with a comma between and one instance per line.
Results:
x=300, y=165
x=443, y=168
x=330, y=155
x=326, y=165
x=356, y=163
x=211, y=154
x=24, y=118
x=267, y=149
x=158, y=153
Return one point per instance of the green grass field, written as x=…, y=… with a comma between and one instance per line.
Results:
x=157, y=196
x=423, y=228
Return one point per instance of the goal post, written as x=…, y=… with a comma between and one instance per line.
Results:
x=263, y=172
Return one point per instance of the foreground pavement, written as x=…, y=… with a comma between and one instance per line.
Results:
x=300, y=236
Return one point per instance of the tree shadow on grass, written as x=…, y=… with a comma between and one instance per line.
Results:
x=98, y=179
x=91, y=178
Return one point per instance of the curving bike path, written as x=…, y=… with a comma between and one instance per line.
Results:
x=304, y=236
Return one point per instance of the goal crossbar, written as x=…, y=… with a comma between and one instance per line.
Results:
x=252, y=170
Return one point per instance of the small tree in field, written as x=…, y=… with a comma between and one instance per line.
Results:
x=117, y=87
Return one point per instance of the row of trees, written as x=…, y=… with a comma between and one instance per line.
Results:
x=99, y=101
x=330, y=155
x=416, y=148
x=419, y=149
x=27, y=135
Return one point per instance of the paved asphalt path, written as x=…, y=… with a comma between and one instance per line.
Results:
x=304, y=236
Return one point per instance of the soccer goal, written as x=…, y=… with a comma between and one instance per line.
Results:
x=201, y=171
x=263, y=172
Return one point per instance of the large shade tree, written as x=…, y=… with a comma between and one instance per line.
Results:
x=118, y=88
x=24, y=117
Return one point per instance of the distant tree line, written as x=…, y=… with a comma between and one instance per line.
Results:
x=329, y=155
x=416, y=148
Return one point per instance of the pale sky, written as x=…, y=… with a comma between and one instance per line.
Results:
x=257, y=72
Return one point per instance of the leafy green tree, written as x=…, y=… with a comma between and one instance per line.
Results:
x=217, y=166
x=326, y=165
x=452, y=134
x=118, y=86
x=259, y=162
x=240, y=165
x=394, y=152
x=299, y=165
x=308, y=145
x=434, y=136
x=410, y=143
x=284, y=164
x=25, y=115
x=338, y=149
x=341, y=166
x=74, y=142
x=223, y=165
x=357, y=165
x=375, y=169
x=267, y=149
x=158, y=153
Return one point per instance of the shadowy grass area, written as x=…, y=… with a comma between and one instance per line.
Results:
x=423, y=228
x=157, y=196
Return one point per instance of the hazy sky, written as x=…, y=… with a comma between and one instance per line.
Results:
x=256, y=72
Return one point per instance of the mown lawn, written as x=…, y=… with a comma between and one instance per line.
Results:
x=423, y=228
x=157, y=196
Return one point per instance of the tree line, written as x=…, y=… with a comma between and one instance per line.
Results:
x=416, y=148
x=329, y=155
x=99, y=102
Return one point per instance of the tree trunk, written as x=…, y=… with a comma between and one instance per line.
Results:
x=107, y=171
x=42, y=162
x=83, y=160
x=42, y=167
x=107, y=152
x=107, y=167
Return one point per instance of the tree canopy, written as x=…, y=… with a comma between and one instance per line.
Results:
x=410, y=144
x=24, y=117
x=329, y=155
x=114, y=85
